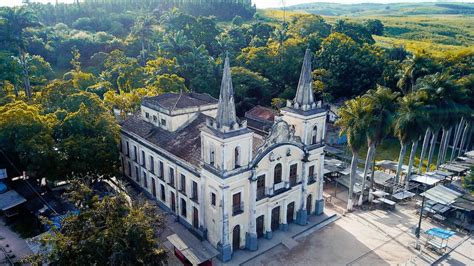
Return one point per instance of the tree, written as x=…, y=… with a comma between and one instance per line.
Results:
x=357, y=32
x=380, y=111
x=107, y=231
x=374, y=26
x=16, y=21
x=350, y=68
x=86, y=134
x=250, y=89
x=350, y=116
x=409, y=125
x=143, y=29
x=26, y=138
x=448, y=101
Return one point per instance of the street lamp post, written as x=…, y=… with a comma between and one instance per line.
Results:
x=418, y=229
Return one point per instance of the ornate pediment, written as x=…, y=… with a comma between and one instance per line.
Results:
x=281, y=132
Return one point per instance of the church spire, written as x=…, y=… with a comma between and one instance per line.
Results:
x=226, y=108
x=304, y=94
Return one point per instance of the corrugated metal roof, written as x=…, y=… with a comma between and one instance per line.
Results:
x=442, y=194
x=194, y=250
x=10, y=199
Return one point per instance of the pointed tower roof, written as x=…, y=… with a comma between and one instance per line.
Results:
x=226, y=116
x=304, y=94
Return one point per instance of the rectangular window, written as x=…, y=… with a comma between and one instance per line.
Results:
x=236, y=204
x=137, y=174
x=293, y=172
x=163, y=122
x=143, y=158
x=211, y=158
x=128, y=149
x=129, y=169
x=311, y=177
x=172, y=200
x=163, y=194
x=155, y=118
x=162, y=170
x=260, y=187
x=183, y=183
x=135, y=154
x=183, y=208
x=213, y=199
x=153, y=187
x=145, y=183
x=121, y=146
x=171, y=177
x=195, y=191
x=152, y=164
x=147, y=115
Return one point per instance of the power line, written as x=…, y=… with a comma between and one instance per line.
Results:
x=28, y=183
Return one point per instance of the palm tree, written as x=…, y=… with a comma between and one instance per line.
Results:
x=464, y=136
x=142, y=29
x=378, y=123
x=350, y=116
x=16, y=21
x=448, y=101
x=408, y=127
x=176, y=43
x=412, y=68
x=424, y=147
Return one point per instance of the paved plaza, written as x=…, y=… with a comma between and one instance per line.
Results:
x=11, y=245
x=373, y=237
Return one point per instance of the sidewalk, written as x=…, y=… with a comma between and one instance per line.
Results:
x=13, y=244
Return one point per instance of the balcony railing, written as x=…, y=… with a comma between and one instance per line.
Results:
x=278, y=186
x=237, y=209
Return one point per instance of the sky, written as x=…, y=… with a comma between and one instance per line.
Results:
x=262, y=3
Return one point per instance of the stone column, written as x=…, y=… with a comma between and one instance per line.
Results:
x=251, y=236
x=284, y=222
x=319, y=206
x=268, y=223
x=223, y=246
x=301, y=214
x=202, y=207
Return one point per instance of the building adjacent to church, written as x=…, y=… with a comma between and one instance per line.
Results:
x=229, y=182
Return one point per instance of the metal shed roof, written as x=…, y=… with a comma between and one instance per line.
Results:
x=442, y=194
x=10, y=199
x=194, y=250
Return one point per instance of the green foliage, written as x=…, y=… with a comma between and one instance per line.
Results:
x=250, y=89
x=108, y=231
x=26, y=138
x=346, y=68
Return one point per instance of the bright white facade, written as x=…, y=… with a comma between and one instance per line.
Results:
x=226, y=182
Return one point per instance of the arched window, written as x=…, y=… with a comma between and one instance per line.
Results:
x=314, y=135
x=277, y=174
x=212, y=154
x=237, y=157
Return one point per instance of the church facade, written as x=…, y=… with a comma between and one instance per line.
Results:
x=227, y=182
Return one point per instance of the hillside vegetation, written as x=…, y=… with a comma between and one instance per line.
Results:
x=440, y=23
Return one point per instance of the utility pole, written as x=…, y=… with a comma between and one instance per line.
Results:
x=418, y=229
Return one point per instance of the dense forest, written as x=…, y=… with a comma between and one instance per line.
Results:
x=64, y=68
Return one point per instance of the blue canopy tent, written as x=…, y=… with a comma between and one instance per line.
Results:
x=438, y=239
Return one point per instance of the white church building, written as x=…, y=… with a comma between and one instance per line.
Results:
x=226, y=181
